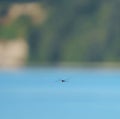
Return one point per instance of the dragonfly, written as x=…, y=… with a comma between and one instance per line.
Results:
x=63, y=80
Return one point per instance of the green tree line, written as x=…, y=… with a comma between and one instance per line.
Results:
x=74, y=31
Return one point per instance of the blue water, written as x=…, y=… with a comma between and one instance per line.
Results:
x=39, y=94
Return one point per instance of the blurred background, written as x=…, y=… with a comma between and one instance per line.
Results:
x=55, y=44
x=59, y=32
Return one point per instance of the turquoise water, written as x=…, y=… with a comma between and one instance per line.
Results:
x=39, y=94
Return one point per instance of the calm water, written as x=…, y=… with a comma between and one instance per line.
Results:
x=39, y=94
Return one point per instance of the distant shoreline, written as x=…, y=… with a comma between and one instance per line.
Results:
x=76, y=65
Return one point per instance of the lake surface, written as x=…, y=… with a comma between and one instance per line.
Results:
x=40, y=94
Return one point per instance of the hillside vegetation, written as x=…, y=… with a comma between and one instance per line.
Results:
x=72, y=31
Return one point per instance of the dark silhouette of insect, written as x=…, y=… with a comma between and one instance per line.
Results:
x=63, y=81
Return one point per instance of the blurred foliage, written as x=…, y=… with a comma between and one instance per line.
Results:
x=4, y=9
x=75, y=31
x=16, y=29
